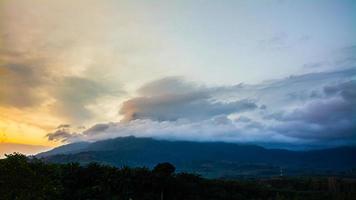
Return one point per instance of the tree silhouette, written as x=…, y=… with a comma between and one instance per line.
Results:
x=24, y=178
x=163, y=172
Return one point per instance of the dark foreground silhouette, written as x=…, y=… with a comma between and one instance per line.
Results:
x=25, y=178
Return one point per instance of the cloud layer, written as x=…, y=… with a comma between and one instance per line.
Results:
x=47, y=58
x=173, y=99
x=311, y=109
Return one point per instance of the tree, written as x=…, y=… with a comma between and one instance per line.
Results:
x=163, y=172
x=164, y=169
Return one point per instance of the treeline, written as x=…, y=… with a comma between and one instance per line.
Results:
x=23, y=178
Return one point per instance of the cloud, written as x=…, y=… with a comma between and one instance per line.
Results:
x=336, y=59
x=169, y=85
x=314, y=65
x=219, y=128
x=347, y=90
x=330, y=117
x=347, y=57
x=60, y=135
x=20, y=84
x=63, y=133
x=173, y=99
x=74, y=94
x=63, y=126
x=25, y=84
x=68, y=133
x=28, y=85
x=321, y=111
x=97, y=128
x=55, y=66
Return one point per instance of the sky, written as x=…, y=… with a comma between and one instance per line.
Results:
x=268, y=72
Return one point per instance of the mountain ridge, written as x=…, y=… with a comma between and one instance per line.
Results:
x=207, y=158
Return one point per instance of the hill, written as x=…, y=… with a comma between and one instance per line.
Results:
x=211, y=159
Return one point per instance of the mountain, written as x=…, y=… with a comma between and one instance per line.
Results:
x=211, y=159
x=65, y=149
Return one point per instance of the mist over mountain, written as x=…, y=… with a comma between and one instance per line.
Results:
x=211, y=159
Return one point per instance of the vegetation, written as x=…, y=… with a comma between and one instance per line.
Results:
x=30, y=178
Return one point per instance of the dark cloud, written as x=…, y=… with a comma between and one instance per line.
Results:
x=62, y=135
x=61, y=126
x=333, y=116
x=347, y=90
x=243, y=119
x=97, y=128
x=171, y=105
x=263, y=107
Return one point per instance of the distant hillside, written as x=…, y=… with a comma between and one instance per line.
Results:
x=65, y=149
x=212, y=159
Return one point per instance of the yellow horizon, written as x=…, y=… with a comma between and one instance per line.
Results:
x=23, y=127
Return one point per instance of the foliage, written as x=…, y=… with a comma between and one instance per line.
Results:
x=29, y=178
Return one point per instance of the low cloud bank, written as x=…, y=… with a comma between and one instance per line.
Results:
x=311, y=109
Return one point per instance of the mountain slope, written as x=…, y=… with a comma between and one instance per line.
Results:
x=207, y=158
x=65, y=149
